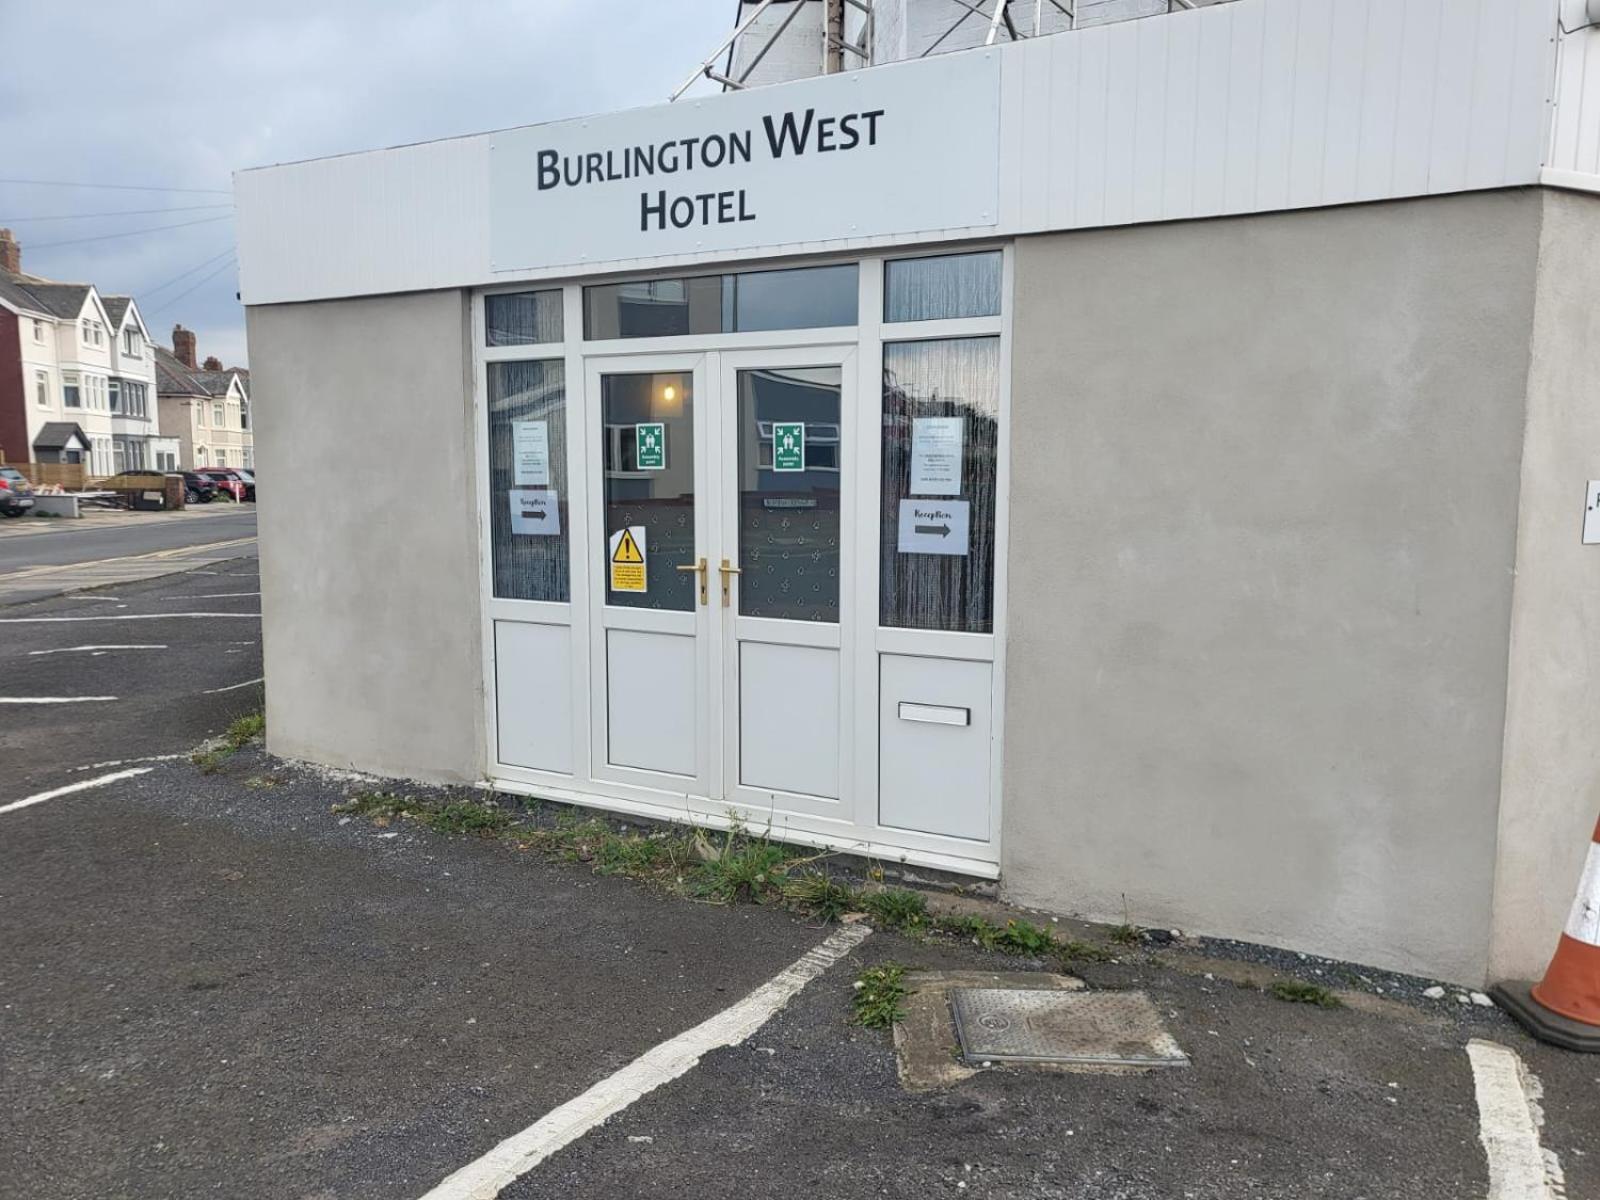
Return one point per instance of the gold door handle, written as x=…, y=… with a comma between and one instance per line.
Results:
x=701, y=568
x=727, y=569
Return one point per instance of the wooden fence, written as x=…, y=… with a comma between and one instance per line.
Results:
x=74, y=477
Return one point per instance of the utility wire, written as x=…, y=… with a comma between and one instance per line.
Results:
x=116, y=187
x=124, y=212
x=106, y=237
x=206, y=278
x=149, y=292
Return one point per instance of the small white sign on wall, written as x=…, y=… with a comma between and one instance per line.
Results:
x=1591, y=515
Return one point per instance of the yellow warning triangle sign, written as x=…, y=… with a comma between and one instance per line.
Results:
x=627, y=550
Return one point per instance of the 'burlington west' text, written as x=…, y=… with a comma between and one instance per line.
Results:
x=785, y=135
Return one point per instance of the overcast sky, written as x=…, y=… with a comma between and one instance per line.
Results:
x=181, y=93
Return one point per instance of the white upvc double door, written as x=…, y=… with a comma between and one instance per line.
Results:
x=724, y=528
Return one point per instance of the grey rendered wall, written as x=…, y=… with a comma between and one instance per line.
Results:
x=1264, y=504
x=1550, y=792
x=369, y=564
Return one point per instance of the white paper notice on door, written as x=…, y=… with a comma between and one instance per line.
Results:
x=935, y=526
x=535, y=511
x=936, y=452
x=530, y=453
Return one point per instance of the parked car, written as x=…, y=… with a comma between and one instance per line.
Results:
x=16, y=493
x=197, y=489
x=229, y=481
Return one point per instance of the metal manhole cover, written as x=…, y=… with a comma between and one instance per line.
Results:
x=1116, y=1029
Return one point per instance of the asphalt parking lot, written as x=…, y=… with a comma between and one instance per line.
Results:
x=119, y=673
x=212, y=984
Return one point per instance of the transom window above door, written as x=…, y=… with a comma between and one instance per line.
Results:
x=746, y=302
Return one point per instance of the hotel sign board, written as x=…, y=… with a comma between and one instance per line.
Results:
x=897, y=150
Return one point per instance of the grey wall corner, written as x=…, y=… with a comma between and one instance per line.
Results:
x=1550, y=785
x=371, y=620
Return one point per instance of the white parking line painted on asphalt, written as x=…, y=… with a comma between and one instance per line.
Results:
x=54, y=699
x=122, y=762
x=232, y=687
x=520, y=1153
x=1509, y=1119
x=213, y=596
x=98, y=649
x=122, y=617
x=84, y=786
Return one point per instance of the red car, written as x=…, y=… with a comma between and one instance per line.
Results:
x=229, y=481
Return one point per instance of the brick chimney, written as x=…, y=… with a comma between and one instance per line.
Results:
x=10, y=253
x=212, y=363
x=183, y=346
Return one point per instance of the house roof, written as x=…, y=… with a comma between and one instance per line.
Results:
x=116, y=306
x=58, y=435
x=216, y=382
x=63, y=300
x=14, y=292
x=173, y=378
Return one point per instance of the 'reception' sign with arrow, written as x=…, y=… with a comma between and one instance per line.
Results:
x=535, y=511
x=935, y=526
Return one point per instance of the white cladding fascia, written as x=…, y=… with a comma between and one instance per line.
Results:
x=1250, y=106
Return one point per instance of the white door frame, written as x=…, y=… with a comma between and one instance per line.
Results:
x=636, y=795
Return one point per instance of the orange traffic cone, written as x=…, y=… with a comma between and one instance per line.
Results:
x=1564, y=1009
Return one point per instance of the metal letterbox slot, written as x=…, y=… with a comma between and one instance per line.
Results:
x=935, y=714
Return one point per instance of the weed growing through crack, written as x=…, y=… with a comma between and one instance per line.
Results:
x=740, y=868
x=210, y=755
x=878, y=995
x=818, y=895
x=1294, y=992
x=1126, y=935
x=245, y=730
x=1076, y=951
x=898, y=908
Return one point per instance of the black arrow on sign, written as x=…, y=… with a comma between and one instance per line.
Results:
x=941, y=530
x=536, y=514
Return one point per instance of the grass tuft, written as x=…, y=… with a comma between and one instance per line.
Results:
x=879, y=992
x=898, y=908
x=246, y=729
x=818, y=895
x=1294, y=992
x=741, y=868
x=1127, y=935
x=467, y=816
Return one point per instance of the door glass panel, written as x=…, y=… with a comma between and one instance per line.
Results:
x=528, y=479
x=647, y=456
x=789, y=473
x=941, y=408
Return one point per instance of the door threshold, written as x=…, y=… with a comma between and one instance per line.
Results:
x=845, y=843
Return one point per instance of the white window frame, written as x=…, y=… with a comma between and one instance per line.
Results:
x=38, y=331
x=864, y=431
x=74, y=381
x=41, y=389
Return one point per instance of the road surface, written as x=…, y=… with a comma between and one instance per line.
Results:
x=66, y=556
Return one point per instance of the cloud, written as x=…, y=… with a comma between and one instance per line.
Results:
x=181, y=93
